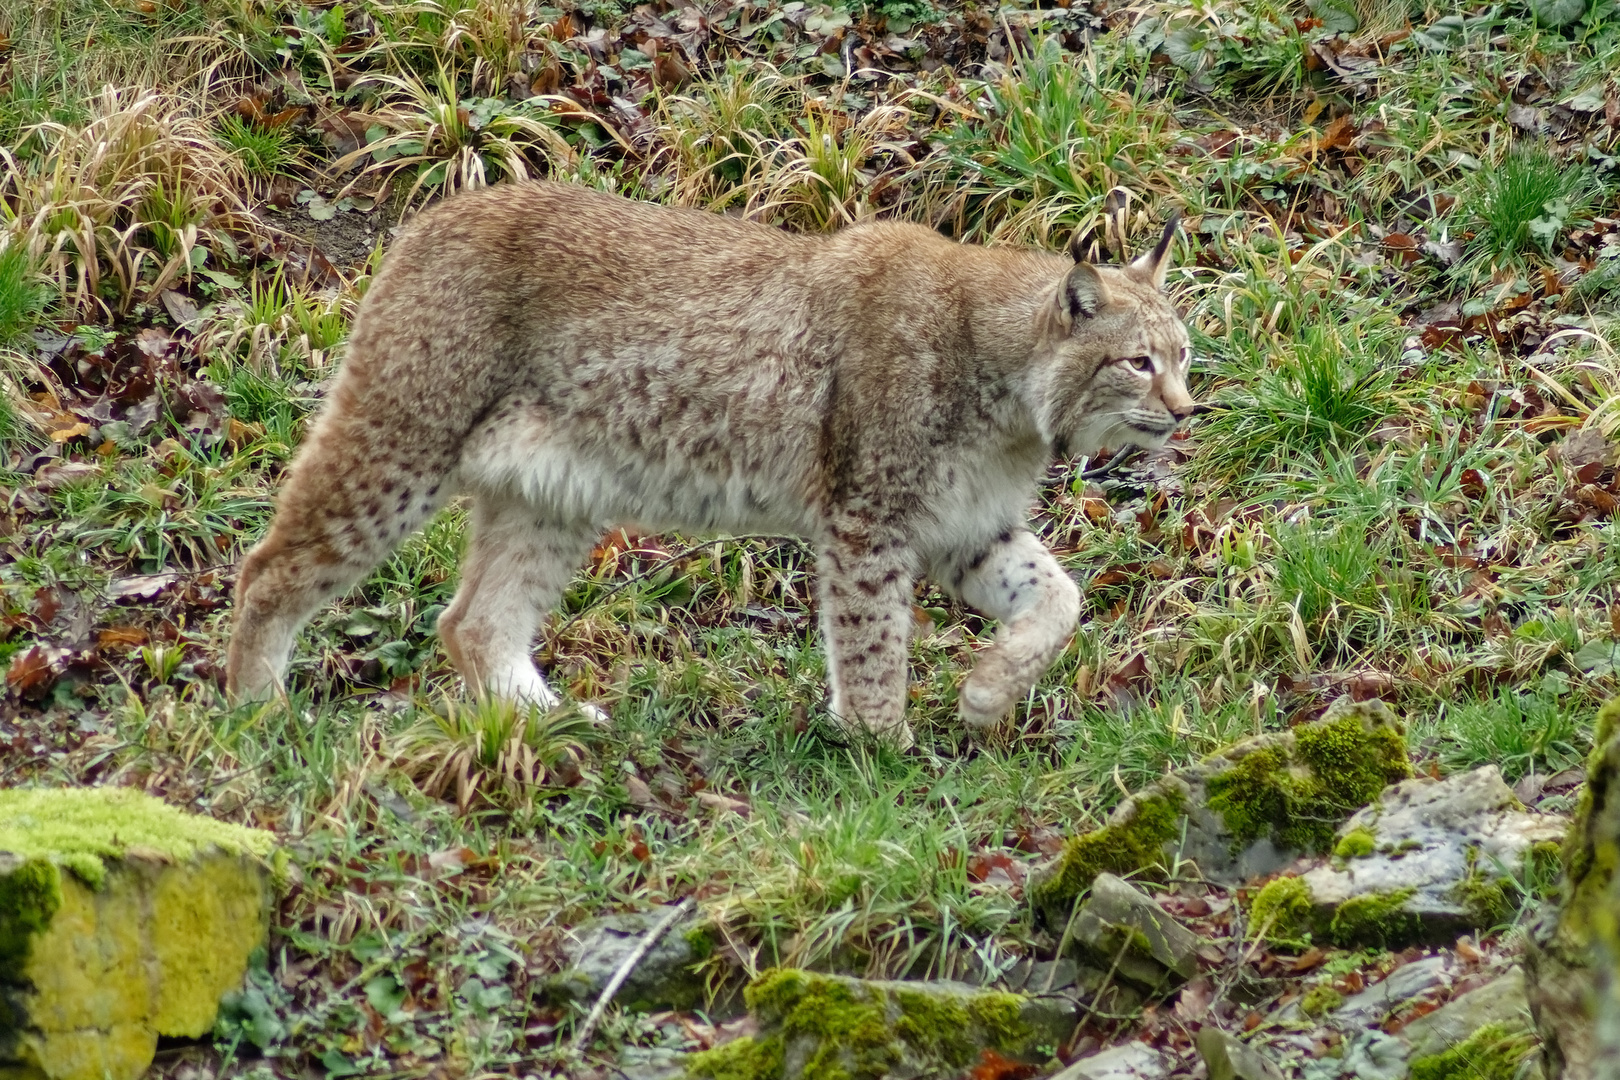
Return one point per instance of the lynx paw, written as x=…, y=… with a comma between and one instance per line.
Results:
x=982, y=706
x=898, y=735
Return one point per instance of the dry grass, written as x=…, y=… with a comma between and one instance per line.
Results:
x=116, y=210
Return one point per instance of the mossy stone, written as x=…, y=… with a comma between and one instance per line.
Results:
x=1282, y=912
x=1494, y=1052
x=121, y=919
x=1134, y=841
x=827, y=1027
x=1297, y=792
x=1375, y=919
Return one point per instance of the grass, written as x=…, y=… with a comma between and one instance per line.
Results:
x=1380, y=500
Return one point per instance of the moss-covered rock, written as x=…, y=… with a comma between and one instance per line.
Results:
x=671, y=975
x=1494, y=1052
x=1575, y=968
x=1246, y=811
x=121, y=919
x=828, y=1027
x=1432, y=861
x=1120, y=928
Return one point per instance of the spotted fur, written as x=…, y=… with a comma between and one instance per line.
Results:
x=573, y=360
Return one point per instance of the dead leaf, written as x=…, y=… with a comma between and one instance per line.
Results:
x=640, y=794
x=144, y=586
x=723, y=804
x=993, y=1066
x=121, y=637
x=33, y=673
x=1195, y=999
x=57, y=474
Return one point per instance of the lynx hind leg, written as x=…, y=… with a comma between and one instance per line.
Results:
x=865, y=624
x=518, y=564
x=345, y=505
x=1015, y=580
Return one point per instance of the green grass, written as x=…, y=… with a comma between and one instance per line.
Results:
x=24, y=295
x=1525, y=203
x=265, y=152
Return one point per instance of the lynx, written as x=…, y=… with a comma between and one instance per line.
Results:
x=573, y=361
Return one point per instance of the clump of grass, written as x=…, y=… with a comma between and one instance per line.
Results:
x=114, y=210
x=264, y=151
x=720, y=138
x=1523, y=205
x=24, y=297
x=1054, y=146
x=499, y=750
x=454, y=143
x=1519, y=732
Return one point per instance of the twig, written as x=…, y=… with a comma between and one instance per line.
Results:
x=582, y=1037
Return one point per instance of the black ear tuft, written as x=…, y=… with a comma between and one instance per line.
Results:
x=1155, y=263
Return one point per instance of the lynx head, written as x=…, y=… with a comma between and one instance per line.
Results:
x=1114, y=356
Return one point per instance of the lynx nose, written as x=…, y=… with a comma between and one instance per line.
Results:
x=1180, y=410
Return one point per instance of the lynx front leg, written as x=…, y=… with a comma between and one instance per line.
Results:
x=516, y=569
x=1013, y=579
x=865, y=623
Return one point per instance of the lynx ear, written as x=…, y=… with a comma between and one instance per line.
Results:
x=1083, y=293
x=1155, y=264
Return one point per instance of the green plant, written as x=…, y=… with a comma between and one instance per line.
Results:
x=264, y=151
x=493, y=749
x=453, y=143
x=1523, y=203
x=24, y=295
x=1518, y=732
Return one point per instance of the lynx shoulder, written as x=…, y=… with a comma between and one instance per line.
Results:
x=574, y=361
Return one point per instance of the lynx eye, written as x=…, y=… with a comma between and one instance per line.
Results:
x=1144, y=364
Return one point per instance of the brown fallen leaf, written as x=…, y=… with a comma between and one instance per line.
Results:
x=121, y=637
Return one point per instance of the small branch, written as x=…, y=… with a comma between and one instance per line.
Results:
x=582, y=1038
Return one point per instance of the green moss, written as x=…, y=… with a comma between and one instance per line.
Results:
x=746, y=1058
x=1494, y=1052
x=1125, y=847
x=863, y=1031
x=1282, y=912
x=1591, y=851
x=935, y=1025
x=1484, y=896
x=1298, y=794
x=701, y=942
x=1355, y=844
x=29, y=895
x=77, y=828
x=1320, y=1000
x=1375, y=919
x=1001, y=1017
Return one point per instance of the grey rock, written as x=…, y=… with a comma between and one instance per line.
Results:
x=1118, y=923
x=1429, y=837
x=1226, y=1057
x=1379, y=1000
x=666, y=978
x=1206, y=840
x=1503, y=1001
x=1373, y=1055
x=1131, y=1061
x=1200, y=835
x=1039, y=977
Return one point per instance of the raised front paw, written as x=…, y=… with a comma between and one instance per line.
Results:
x=984, y=703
